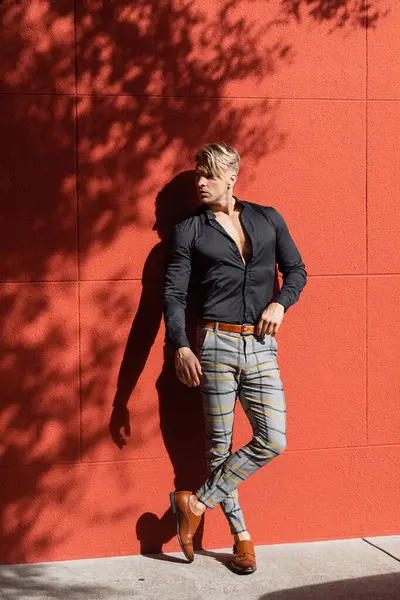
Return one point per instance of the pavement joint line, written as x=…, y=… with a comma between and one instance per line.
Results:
x=381, y=549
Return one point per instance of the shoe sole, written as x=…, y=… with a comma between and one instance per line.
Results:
x=172, y=500
x=242, y=571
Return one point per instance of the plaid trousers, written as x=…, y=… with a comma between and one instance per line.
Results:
x=245, y=366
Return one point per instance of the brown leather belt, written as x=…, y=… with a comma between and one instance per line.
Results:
x=235, y=328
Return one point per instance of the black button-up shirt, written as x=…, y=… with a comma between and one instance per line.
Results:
x=229, y=290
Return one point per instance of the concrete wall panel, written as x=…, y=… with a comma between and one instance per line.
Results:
x=96, y=168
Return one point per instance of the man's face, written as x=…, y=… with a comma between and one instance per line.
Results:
x=212, y=189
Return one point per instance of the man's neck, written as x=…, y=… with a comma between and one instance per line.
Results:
x=228, y=205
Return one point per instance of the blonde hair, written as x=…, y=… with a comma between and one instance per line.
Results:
x=217, y=158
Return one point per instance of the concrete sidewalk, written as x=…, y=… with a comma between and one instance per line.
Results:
x=357, y=569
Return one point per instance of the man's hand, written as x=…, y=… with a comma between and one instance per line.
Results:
x=270, y=319
x=187, y=366
x=119, y=419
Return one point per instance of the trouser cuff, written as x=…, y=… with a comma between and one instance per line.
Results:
x=235, y=530
x=209, y=503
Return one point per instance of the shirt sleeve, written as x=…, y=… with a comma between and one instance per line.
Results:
x=290, y=264
x=177, y=275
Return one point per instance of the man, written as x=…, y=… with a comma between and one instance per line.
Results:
x=232, y=246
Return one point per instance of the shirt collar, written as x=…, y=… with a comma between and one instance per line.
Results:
x=211, y=215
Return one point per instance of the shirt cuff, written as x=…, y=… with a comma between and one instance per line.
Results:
x=180, y=342
x=281, y=300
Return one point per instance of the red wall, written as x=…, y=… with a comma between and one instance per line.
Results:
x=101, y=110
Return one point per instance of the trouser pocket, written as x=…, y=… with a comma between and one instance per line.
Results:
x=202, y=336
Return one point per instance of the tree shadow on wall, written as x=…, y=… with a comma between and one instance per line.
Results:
x=91, y=130
x=110, y=178
x=340, y=13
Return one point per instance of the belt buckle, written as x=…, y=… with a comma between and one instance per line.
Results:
x=243, y=329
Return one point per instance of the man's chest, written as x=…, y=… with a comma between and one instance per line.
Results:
x=236, y=230
x=240, y=240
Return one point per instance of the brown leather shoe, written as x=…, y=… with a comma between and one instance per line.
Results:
x=187, y=521
x=244, y=557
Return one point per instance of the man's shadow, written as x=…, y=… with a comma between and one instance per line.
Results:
x=181, y=415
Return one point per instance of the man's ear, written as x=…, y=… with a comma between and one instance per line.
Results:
x=232, y=179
